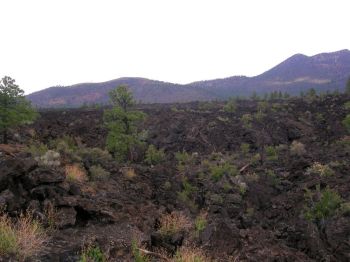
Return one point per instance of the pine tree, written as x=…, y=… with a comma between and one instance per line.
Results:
x=15, y=110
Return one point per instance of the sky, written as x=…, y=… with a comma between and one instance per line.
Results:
x=46, y=43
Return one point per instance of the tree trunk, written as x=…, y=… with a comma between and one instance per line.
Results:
x=4, y=136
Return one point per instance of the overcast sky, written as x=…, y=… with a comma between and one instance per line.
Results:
x=45, y=42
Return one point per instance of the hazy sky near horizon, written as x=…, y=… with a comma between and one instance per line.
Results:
x=45, y=42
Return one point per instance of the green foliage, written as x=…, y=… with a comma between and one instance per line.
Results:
x=37, y=149
x=137, y=254
x=200, y=223
x=218, y=171
x=245, y=147
x=247, y=120
x=311, y=93
x=259, y=116
x=271, y=153
x=95, y=155
x=347, y=105
x=230, y=106
x=346, y=123
x=15, y=110
x=122, y=122
x=154, y=156
x=321, y=205
x=8, y=238
x=92, y=254
x=64, y=144
x=98, y=173
x=184, y=159
x=186, y=194
x=263, y=106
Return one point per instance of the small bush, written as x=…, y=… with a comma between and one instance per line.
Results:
x=92, y=254
x=319, y=169
x=128, y=172
x=245, y=149
x=321, y=205
x=75, y=172
x=255, y=159
x=95, y=155
x=173, y=223
x=347, y=105
x=271, y=153
x=230, y=106
x=346, y=123
x=184, y=159
x=263, y=106
x=200, y=223
x=186, y=193
x=297, y=149
x=247, y=120
x=37, y=150
x=24, y=238
x=154, y=156
x=50, y=158
x=98, y=173
x=217, y=172
x=137, y=254
x=191, y=255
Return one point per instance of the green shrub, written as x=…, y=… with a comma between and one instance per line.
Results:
x=346, y=123
x=347, y=105
x=23, y=238
x=92, y=254
x=37, y=150
x=245, y=149
x=263, y=106
x=8, y=239
x=271, y=153
x=154, y=156
x=247, y=120
x=95, y=155
x=63, y=144
x=319, y=169
x=137, y=254
x=230, y=106
x=321, y=205
x=255, y=159
x=184, y=159
x=98, y=173
x=259, y=116
x=186, y=194
x=218, y=171
x=200, y=223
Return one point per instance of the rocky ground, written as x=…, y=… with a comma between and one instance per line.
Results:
x=254, y=207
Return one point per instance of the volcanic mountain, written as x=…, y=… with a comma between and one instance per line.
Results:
x=325, y=71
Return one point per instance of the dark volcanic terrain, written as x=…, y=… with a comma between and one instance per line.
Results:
x=254, y=208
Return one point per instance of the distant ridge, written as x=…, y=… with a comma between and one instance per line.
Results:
x=325, y=71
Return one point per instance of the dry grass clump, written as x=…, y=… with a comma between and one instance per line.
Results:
x=173, y=223
x=23, y=238
x=319, y=169
x=186, y=254
x=297, y=148
x=128, y=172
x=75, y=172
